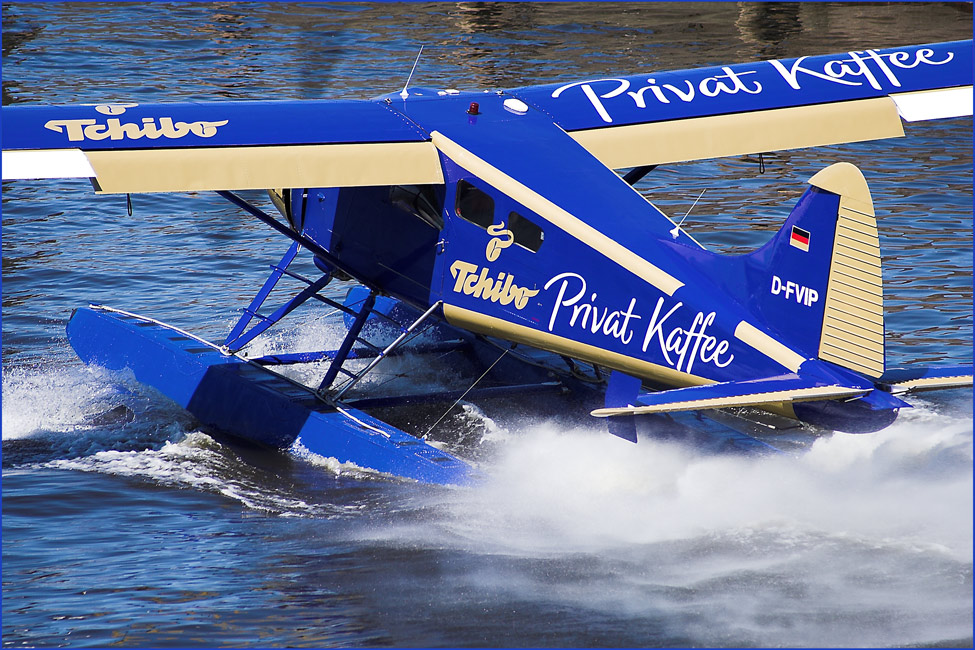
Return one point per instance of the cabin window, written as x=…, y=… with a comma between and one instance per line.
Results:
x=527, y=234
x=419, y=200
x=474, y=205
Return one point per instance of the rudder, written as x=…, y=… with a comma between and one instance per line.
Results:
x=853, y=319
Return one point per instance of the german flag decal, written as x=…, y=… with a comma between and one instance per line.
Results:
x=800, y=238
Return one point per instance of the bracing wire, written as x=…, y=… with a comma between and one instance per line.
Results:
x=457, y=401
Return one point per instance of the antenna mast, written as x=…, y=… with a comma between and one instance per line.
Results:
x=676, y=229
x=404, y=93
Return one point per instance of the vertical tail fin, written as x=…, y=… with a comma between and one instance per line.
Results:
x=817, y=284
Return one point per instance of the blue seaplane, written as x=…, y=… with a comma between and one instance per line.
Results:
x=504, y=226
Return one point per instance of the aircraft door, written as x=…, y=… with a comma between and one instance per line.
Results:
x=489, y=260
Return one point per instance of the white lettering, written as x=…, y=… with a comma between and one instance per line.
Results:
x=696, y=341
x=803, y=295
x=860, y=68
x=737, y=84
x=622, y=85
x=841, y=70
x=680, y=348
x=791, y=75
x=595, y=319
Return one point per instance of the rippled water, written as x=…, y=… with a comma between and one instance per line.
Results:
x=152, y=533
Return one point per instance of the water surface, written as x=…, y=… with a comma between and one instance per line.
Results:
x=151, y=533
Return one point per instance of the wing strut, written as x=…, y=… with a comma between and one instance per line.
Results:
x=636, y=174
x=237, y=338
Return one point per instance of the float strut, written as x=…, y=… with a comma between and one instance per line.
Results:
x=346, y=347
x=389, y=348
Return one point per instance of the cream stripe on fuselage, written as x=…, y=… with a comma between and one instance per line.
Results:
x=492, y=326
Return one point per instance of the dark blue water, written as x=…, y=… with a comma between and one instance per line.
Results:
x=151, y=533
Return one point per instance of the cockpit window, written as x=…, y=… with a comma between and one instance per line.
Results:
x=474, y=205
x=527, y=234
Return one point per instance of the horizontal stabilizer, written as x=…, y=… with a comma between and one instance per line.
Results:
x=769, y=391
x=913, y=380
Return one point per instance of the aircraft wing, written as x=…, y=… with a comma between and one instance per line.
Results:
x=625, y=122
x=768, y=391
x=218, y=145
x=664, y=117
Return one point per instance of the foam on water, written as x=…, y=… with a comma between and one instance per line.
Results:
x=198, y=462
x=47, y=423
x=36, y=400
x=870, y=532
x=581, y=490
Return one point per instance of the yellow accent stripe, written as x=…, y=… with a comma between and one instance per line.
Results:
x=862, y=259
x=491, y=326
x=861, y=232
x=867, y=242
x=854, y=216
x=870, y=251
x=759, y=340
x=755, y=399
x=857, y=292
x=742, y=133
x=853, y=321
x=557, y=216
x=869, y=276
x=239, y=168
